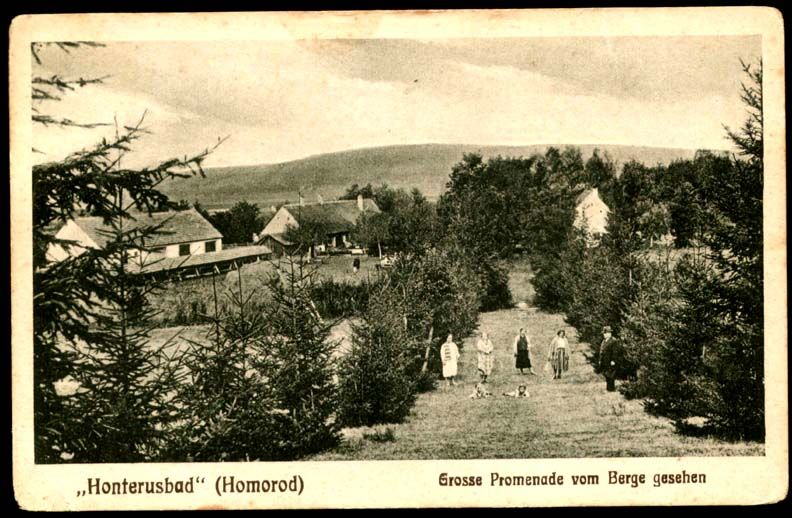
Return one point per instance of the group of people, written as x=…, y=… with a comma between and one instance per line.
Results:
x=557, y=359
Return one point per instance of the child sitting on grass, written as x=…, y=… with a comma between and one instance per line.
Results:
x=479, y=392
x=522, y=391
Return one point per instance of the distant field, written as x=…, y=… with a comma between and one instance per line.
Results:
x=425, y=167
x=183, y=302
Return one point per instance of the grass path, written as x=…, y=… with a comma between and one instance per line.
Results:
x=571, y=417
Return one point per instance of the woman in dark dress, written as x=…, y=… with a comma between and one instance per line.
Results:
x=522, y=352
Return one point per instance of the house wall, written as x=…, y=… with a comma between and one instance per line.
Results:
x=340, y=240
x=592, y=213
x=71, y=232
x=279, y=222
x=196, y=247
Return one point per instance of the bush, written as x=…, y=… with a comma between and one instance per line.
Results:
x=386, y=435
x=442, y=293
x=648, y=332
x=590, y=284
x=340, y=299
x=185, y=303
x=557, y=275
x=379, y=377
x=495, y=280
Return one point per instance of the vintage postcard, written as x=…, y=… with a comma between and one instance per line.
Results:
x=399, y=259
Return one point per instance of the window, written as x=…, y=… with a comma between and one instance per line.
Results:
x=184, y=249
x=211, y=246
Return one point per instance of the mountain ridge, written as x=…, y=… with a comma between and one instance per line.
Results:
x=424, y=166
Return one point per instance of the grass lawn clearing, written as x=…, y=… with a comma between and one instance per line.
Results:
x=571, y=417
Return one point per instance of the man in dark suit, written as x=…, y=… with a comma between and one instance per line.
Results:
x=609, y=358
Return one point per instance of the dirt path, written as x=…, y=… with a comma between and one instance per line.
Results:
x=571, y=417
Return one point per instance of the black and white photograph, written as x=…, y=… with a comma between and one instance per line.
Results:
x=292, y=253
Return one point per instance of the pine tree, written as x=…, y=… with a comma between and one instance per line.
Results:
x=297, y=359
x=126, y=385
x=226, y=405
x=380, y=375
x=734, y=291
x=99, y=394
x=705, y=336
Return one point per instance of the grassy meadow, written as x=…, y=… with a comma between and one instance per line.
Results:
x=571, y=417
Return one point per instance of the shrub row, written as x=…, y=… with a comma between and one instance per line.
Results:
x=341, y=299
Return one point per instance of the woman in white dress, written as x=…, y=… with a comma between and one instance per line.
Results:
x=449, y=354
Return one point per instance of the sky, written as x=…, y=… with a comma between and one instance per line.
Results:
x=282, y=100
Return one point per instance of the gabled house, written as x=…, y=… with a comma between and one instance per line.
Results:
x=179, y=234
x=340, y=216
x=591, y=213
x=185, y=243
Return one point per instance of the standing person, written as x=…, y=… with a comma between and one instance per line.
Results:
x=522, y=352
x=485, y=356
x=449, y=354
x=558, y=355
x=355, y=264
x=608, y=358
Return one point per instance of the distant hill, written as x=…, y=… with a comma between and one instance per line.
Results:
x=425, y=166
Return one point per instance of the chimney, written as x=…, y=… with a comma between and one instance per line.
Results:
x=360, y=202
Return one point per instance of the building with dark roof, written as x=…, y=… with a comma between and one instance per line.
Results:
x=339, y=216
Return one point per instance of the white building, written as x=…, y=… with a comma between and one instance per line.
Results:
x=185, y=245
x=591, y=213
x=178, y=234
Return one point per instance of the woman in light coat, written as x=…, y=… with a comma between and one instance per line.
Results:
x=449, y=354
x=485, y=356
